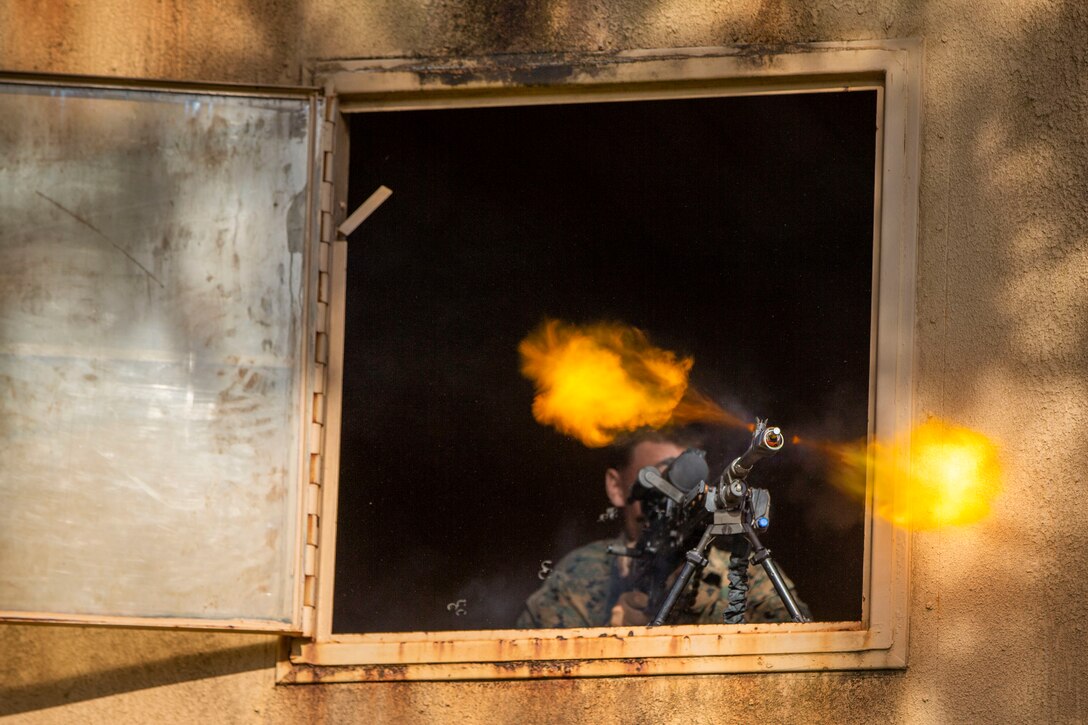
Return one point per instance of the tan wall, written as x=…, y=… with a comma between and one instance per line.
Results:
x=1002, y=346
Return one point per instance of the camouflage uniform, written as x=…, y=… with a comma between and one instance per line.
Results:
x=586, y=584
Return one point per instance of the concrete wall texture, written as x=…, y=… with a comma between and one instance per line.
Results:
x=998, y=629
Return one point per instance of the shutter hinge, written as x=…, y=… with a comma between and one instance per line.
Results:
x=326, y=231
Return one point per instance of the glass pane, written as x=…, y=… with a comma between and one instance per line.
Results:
x=151, y=281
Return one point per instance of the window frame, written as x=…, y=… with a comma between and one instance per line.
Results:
x=894, y=69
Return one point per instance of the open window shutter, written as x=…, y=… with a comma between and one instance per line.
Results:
x=156, y=339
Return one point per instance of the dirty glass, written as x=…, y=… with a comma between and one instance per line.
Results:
x=151, y=310
x=737, y=232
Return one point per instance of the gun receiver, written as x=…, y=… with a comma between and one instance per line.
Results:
x=682, y=511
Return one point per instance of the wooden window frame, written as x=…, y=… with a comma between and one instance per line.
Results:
x=879, y=640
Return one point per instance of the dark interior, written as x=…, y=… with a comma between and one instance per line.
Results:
x=738, y=231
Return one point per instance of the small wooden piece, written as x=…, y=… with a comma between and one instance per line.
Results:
x=365, y=209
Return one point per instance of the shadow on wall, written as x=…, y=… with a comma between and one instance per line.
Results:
x=453, y=28
x=130, y=661
x=245, y=41
x=1002, y=323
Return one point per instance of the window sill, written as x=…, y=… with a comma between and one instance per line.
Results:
x=510, y=654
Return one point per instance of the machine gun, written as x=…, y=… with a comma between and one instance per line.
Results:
x=683, y=515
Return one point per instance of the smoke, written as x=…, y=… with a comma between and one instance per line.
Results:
x=941, y=474
x=594, y=382
x=947, y=476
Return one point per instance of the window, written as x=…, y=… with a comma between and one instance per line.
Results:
x=663, y=88
x=737, y=231
x=172, y=349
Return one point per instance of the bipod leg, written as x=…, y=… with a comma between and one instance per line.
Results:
x=762, y=555
x=695, y=560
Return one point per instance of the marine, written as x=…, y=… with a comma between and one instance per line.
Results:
x=588, y=587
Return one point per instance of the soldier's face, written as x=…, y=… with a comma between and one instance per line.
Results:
x=647, y=453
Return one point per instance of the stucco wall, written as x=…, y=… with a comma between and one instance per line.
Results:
x=998, y=630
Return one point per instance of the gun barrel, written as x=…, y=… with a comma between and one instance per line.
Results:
x=766, y=441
